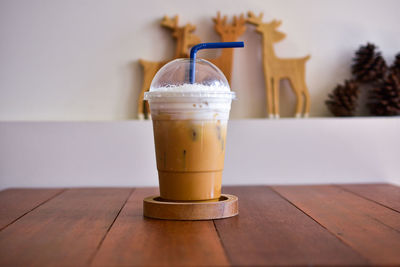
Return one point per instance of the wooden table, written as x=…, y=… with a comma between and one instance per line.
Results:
x=278, y=225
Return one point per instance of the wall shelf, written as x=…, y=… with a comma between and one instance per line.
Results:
x=259, y=151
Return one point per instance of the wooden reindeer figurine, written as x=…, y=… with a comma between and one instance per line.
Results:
x=184, y=40
x=227, y=33
x=276, y=69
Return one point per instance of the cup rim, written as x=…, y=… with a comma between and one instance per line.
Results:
x=180, y=95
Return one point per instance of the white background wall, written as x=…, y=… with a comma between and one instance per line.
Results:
x=78, y=59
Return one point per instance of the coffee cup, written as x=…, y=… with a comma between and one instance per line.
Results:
x=190, y=125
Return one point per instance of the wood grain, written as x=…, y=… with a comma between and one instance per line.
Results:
x=285, y=225
x=64, y=231
x=136, y=240
x=14, y=203
x=384, y=194
x=271, y=231
x=367, y=227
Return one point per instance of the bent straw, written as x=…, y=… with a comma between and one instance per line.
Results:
x=201, y=46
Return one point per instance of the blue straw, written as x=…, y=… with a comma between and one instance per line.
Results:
x=201, y=46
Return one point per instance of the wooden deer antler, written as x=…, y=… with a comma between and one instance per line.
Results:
x=238, y=26
x=253, y=19
x=239, y=21
x=276, y=23
x=170, y=23
x=190, y=27
x=235, y=29
x=220, y=23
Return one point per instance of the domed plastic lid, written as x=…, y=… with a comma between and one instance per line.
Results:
x=172, y=80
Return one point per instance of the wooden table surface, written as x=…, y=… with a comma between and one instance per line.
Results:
x=278, y=225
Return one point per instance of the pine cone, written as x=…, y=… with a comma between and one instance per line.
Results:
x=343, y=100
x=384, y=100
x=369, y=65
x=395, y=68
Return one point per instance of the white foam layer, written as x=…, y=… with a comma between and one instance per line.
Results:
x=192, y=88
x=194, y=109
x=190, y=102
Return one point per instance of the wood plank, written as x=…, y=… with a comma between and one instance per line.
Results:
x=367, y=227
x=135, y=240
x=15, y=203
x=271, y=231
x=384, y=194
x=64, y=231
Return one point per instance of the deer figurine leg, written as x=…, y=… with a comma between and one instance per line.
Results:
x=143, y=107
x=276, y=97
x=150, y=69
x=297, y=89
x=270, y=106
x=299, y=104
x=147, y=110
x=306, y=101
x=140, y=106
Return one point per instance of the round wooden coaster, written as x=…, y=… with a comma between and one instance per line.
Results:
x=226, y=206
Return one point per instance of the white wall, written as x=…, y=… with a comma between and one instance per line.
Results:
x=77, y=60
x=287, y=151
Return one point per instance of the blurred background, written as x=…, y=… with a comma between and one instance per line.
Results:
x=78, y=60
x=70, y=79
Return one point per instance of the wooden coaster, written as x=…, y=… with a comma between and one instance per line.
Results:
x=226, y=206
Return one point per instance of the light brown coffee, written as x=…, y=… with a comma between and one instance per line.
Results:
x=190, y=158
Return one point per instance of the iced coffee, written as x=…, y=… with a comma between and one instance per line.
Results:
x=190, y=125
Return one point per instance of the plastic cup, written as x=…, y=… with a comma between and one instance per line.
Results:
x=190, y=124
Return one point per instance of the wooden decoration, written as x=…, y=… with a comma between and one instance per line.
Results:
x=226, y=206
x=228, y=33
x=276, y=69
x=184, y=40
